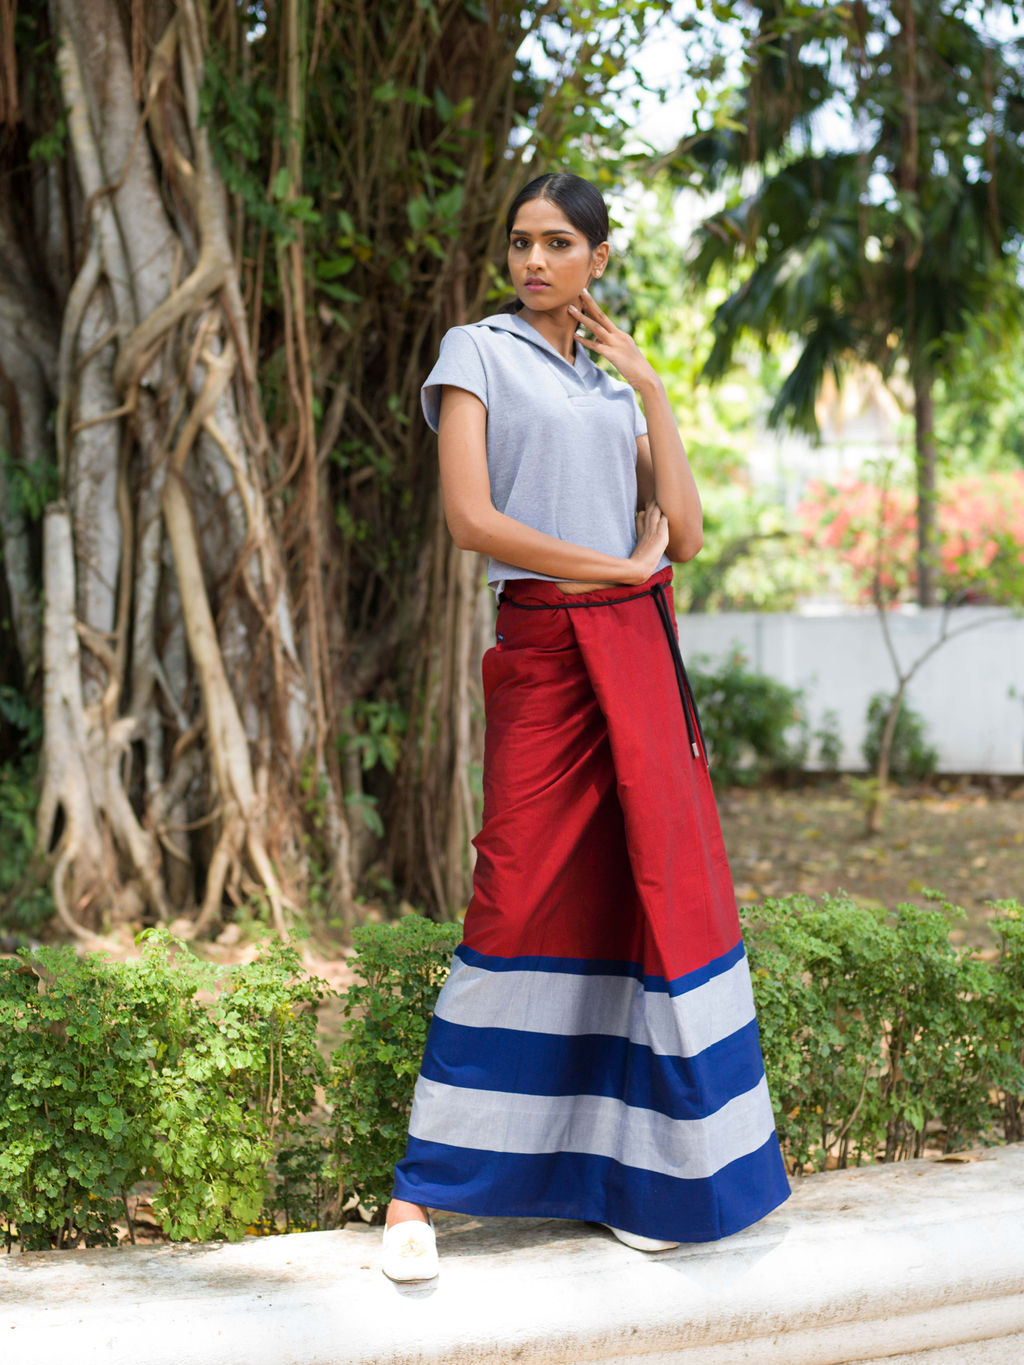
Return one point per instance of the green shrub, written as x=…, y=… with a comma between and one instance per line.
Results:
x=236, y=1074
x=302, y=1195
x=912, y=757
x=829, y=742
x=753, y=724
x=167, y=1069
x=878, y=1033
x=75, y=1076
x=374, y=1070
x=1006, y=1020
x=878, y=1036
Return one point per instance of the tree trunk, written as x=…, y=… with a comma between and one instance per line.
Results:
x=879, y=793
x=165, y=563
x=924, y=451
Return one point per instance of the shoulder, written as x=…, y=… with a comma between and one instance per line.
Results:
x=459, y=339
x=488, y=333
x=610, y=386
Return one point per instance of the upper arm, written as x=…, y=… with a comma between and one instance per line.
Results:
x=644, y=472
x=462, y=450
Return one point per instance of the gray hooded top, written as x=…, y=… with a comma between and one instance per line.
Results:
x=561, y=437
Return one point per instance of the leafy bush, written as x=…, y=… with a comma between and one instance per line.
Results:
x=912, y=757
x=1007, y=1020
x=167, y=1068
x=878, y=1033
x=753, y=724
x=403, y=967
x=235, y=1075
x=878, y=1036
x=829, y=742
x=75, y=1076
x=302, y=1195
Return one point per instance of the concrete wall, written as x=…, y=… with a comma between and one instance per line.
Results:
x=970, y=692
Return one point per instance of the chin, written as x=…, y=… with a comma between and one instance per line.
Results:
x=543, y=304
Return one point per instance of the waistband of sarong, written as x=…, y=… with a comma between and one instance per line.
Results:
x=542, y=592
x=538, y=594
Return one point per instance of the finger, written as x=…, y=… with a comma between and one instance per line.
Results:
x=587, y=321
x=588, y=310
x=593, y=306
x=590, y=342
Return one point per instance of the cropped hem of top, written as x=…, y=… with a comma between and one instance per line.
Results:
x=561, y=435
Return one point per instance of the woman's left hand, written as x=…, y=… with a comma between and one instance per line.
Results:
x=611, y=342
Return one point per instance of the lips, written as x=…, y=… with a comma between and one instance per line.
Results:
x=536, y=284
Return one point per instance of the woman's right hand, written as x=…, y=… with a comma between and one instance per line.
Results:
x=652, y=539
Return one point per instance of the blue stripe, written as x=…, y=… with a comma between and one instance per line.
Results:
x=580, y=966
x=593, y=1188
x=594, y=1064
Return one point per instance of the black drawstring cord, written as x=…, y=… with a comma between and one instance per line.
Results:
x=685, y=690
x=657, y=591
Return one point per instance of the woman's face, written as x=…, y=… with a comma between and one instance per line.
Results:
x=550, y=261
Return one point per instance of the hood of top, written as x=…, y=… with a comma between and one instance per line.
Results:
x=518, y=326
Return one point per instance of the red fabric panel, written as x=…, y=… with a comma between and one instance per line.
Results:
x=600, y=836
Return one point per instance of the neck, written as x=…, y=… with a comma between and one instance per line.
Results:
x=559, y=330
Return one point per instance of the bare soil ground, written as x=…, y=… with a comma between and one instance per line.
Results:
x=964, y=839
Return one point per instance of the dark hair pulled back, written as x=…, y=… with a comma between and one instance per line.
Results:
x=581, y=203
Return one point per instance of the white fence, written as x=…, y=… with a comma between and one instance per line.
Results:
x=970, y=692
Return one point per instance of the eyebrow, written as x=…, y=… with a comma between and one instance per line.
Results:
x=548, y=232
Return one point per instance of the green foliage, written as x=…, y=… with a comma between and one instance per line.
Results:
x=1007, y=1018
x=829, y=742
x=301, y=1196
x=166, y=1068
x=878, y=1034
x=25, y=904
x=751, y=559
x=753, y=724
x=74, y=1073
x=890, y=249
x=912, y=757
x=29, y=487
x=234, y=1074
x=242, y=117
x=903, y=268
x=377, y=728
x=373, y=1071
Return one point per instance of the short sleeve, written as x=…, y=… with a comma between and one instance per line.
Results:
x=459, y=365
x=639, y=420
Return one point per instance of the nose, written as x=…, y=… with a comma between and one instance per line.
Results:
x=534, y=256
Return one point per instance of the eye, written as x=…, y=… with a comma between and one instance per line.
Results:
x=560, y=242
x=518, y=243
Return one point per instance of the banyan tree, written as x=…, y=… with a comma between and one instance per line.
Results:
x=231, y=237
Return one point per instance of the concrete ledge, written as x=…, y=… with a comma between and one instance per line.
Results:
x=922, y=1263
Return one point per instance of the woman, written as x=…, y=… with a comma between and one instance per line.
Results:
x=594, y=1053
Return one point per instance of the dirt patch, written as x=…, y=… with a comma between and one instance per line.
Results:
x=956, y=837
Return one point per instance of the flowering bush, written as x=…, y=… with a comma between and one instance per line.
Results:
x=979, y=540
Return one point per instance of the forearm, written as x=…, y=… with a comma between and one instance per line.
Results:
x=501, y=537
x=675, y=489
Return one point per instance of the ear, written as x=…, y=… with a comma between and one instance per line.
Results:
x=599, y=260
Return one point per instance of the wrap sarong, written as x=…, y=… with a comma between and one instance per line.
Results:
x=594, y=1052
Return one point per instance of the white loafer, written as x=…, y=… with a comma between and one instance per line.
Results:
x=638, y=1243
x=409, y=1252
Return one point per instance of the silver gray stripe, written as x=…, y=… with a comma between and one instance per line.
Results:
x=690, y=1149
x=569, y=1004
